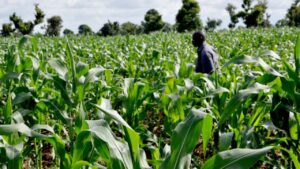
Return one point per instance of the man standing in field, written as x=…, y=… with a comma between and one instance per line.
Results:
x=207, y=60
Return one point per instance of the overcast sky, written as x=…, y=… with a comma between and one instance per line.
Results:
x=97, y=12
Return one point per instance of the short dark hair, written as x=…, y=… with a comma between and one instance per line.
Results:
x=198, y=38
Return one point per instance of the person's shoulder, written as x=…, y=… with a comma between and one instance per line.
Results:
x=206, y=48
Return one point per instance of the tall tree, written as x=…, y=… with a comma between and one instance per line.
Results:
x=54, y=26
x=110, y=29
x=39, y=15
x=293, y=14
x=187, y=18
x=7, y=29
x=212, y=24
x=27, y=27
x=68, y=32
x=84, y=30
x=129, y=28
x=253, y=16
x=233, y=17
x=153, y=21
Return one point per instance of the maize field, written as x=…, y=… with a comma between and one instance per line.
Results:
x=135, y=102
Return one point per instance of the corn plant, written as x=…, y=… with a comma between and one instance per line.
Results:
x=135, y=102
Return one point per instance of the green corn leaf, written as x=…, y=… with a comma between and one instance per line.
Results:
x=14, y=156
x=249, y=59
x=207, y=126
x=8, y=109
x=42, y=127
x=25, y=39
x=236, y=158
x=70, y=56
x=80, y=118
x=133, y=140
x=119, y=152
x=81, y=69
x=60, y=114
x=297, y=55
x=239, y=98
x=21, y=97
x=60, y=149
x=271, y=54
x=290, y=70
x=61, y=85
x=240, y=60
x=81, y=145
x=225, y=140
x=80, y=164
x=60, y=68
x=130, y=135
x=93, y=75
x=19, y=128
x=105, y=107
x=294, y=158
x=12, y=59
x=35, y=67
x=34, y=44
x=22, y=42
x=183, y=141
x=213, y=92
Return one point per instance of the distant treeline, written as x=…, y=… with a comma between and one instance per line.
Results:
x=187, y=19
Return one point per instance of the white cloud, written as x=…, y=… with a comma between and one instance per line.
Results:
x=97, y=12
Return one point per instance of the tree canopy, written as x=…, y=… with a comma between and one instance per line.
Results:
x=6, y=29
x=153, y=21
x=187, y=18
x=212, y=24
x=292, y=17
x=110, y=29
x=54, y=26
x=27, y=27
x=129, y=28
x=68, y=32
x=84, y=30
x=252, y=16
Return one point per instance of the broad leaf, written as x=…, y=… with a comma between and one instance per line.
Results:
x=21, y=128
x=239, y=98
x=183, y=141
x=60, y=67
x=206, y=131
x=297, y=55
x=236, y=158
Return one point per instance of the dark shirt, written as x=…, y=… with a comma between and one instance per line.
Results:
x=207, y=59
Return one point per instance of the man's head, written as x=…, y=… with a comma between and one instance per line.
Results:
x=198, y=38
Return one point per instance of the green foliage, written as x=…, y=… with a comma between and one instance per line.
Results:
x=110, y=29
x=68, y=32
x=39, y=15
x=212, y=24
x=232, y=13
x=153, y=21
x=253, y=16
x=184, y=140
x=167, y=27
x=129, y=28
x=187, y=18
x=293, y=14
x=7, y=29
x=26, y=28
x=236, y=158
x=54, y=26
x=85, y=30
x=136, y=102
